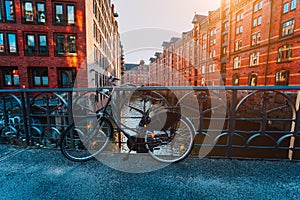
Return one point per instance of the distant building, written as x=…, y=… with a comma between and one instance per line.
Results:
x=44, y=44
x=244, y=42
x=137, y=74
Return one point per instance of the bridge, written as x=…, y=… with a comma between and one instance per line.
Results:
x=231, y=122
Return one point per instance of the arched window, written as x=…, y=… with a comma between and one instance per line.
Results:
x=282, y=77
x=236, y=80
x=252, y=79
x=284, y=53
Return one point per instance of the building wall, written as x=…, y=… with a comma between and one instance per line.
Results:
x=103, y=42
x=270, y=42
x=138, y=75
x=226, y=36
x=22, y=65
x=52, y=62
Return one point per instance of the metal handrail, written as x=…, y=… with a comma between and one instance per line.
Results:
x=269, y=124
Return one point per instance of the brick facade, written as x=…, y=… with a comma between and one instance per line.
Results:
x=56, y=65
x=244, y=42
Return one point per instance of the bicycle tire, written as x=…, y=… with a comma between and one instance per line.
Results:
x=85, y=139
x=175, y=148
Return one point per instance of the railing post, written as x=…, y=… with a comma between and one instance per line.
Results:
x=232, y=120
x=25, y=117
x=28, y=110
x=70, y=108
x=295, y=127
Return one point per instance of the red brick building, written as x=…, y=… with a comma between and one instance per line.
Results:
x=244, y=42
x=45, y=43
x=266, y=53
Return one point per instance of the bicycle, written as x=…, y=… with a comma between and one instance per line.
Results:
x=162, y=131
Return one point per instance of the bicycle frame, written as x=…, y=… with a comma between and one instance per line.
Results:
x=102, y=113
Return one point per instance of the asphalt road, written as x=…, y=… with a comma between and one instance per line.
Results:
x=46, y=174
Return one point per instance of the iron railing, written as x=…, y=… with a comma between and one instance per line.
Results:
x=243, y=122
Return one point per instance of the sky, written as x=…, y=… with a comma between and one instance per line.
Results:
x=145, y=24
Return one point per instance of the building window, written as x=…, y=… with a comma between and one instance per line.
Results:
x=252, y=79
x=239, y=30
x=34, y=12
x=41, y=12
x=2, y=43
x=42, y=44
x=8, y=43
x=259, y=20
x=293, y=4
x=254, y=59
x=236, y=80
x=203, y=69
x=36, y=44
x=12, y=43
x=237, y=62
x=285, y=53
x=66, y=77
x=64, y=14
x=255, y=22
x=30, y=44
x=224, y=50
x=258, y=6
x=286, y=7
x=39, y=76
x=65, y=45
x=72, y=44
x=288, y=27
x=211, y=68
x=11, y=76
x=255, y=8
x=282, y=77
x=238, y=45
x=255, y=39
x=28, y=11
x=70, y=14
x=7, y=10
x=239, y=16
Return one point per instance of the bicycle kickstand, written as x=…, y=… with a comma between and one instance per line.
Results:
x=127, y=156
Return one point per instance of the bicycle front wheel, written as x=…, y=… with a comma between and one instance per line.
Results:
x=83, y=140
x=172, y=145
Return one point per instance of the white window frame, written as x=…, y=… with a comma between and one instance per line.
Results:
x=237, y=30
x=286, y=7
x=255, y=22
x=259, y=20
x=237, y=62
x=260, y=5
x=254, y=59
x=293, y=4
x=288, y=27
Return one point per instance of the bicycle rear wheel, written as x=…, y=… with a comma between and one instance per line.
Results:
x=83, y=140
x=174, y=144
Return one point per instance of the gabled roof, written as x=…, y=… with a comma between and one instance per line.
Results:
x=164, y=44
x=174, y=39
x=198, y=18
x=157, y=54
